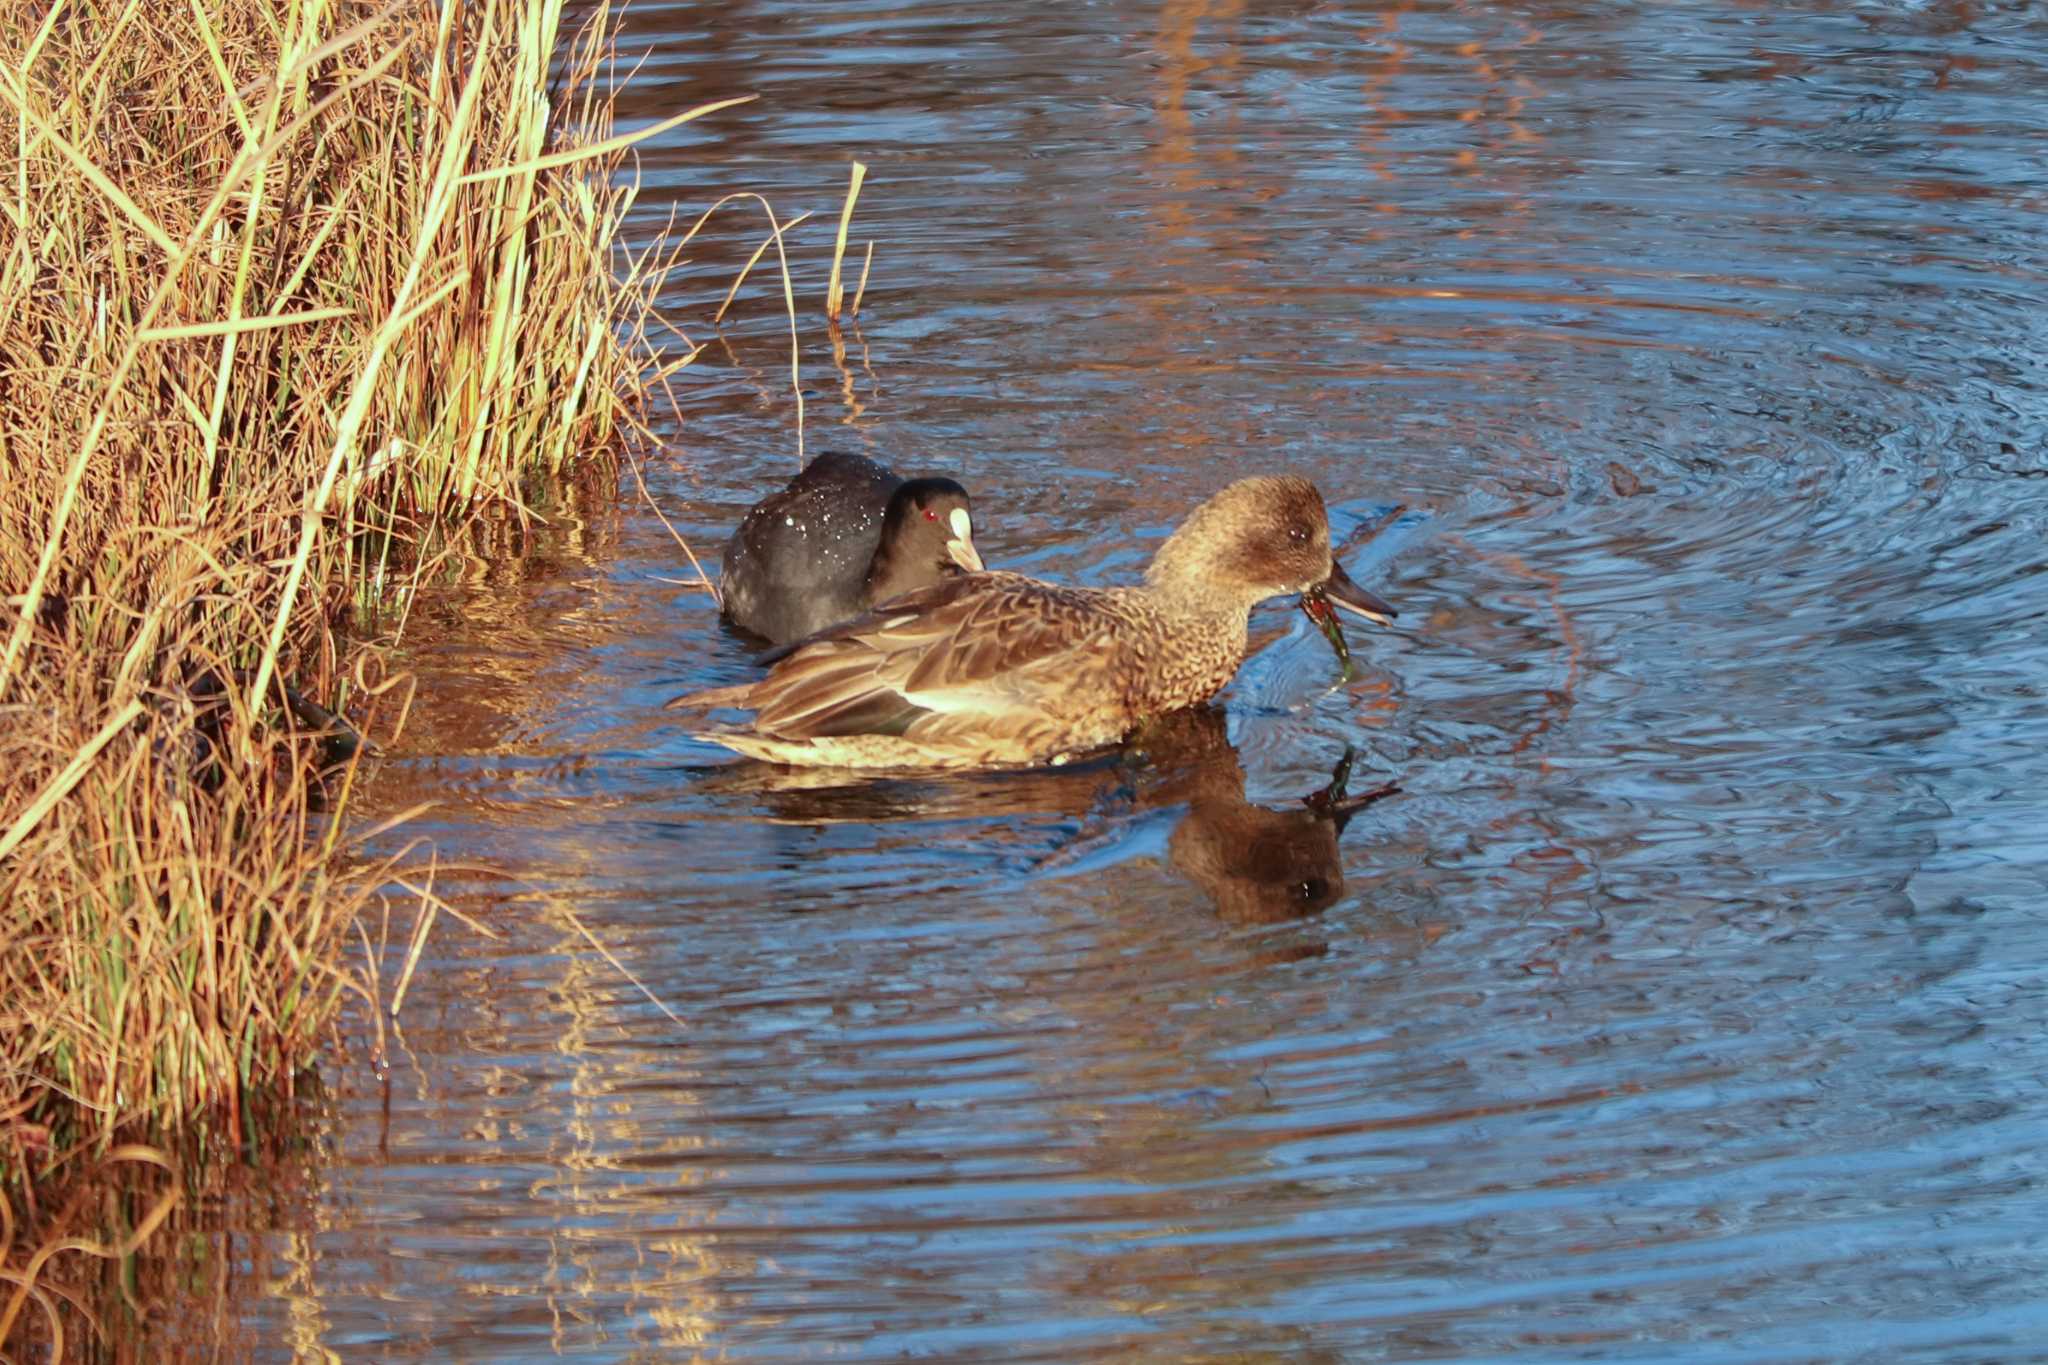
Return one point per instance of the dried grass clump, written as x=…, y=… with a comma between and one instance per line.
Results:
x=285, y=285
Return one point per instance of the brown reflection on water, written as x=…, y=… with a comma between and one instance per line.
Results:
x=1255, y=864
x=236, y=1232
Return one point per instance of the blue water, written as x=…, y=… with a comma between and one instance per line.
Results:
x=1685, y=1004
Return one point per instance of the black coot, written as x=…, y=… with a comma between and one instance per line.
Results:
x=845, y=534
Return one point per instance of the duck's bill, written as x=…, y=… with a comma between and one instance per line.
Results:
x=1348, y=595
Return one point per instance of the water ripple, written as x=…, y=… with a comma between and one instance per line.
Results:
x=1680, y=1006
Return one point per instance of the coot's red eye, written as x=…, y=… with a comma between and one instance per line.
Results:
x=930, y=515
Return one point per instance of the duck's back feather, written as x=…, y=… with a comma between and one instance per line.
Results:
x=983, y=649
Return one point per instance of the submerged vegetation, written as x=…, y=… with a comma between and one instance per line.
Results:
x=289, y=287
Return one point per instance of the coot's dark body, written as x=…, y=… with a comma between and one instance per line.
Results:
x=845, y=534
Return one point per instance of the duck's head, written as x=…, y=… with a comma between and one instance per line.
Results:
x=927, y=533
x=1265, y=537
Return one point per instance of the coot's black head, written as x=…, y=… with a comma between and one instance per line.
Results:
x=927, y=533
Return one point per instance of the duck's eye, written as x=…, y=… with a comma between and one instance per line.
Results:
x=1299, y=534
x=930, y=515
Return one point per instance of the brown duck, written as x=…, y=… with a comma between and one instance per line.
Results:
x=1001, y=670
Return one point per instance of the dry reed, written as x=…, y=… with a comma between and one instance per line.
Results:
x=834, y=292
x=286, y=286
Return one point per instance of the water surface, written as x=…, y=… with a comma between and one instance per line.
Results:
x=1684, y=1005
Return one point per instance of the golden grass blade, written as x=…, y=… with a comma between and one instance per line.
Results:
x=752, y=260
x=111, y=45
x=35, y=43
x=64, y=782
x=429, y=301
x=617, y=965
x=702, y=577
x=776, y=231
x=469, y=922
x=833, y=293
x=862, y=292
x=34, y=49
x=605, y=148
x=236, y=326
x=385, y=826
x=97, y=178
x=254, y=157
x=311, y=253
x=220, y=72
x=430, y=905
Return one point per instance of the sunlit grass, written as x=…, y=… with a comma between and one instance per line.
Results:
x=286, y=287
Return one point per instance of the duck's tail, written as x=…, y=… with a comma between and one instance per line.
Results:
x=860, y=752
x=740, y=696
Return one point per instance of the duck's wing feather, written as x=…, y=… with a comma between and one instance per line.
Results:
x=985, y=645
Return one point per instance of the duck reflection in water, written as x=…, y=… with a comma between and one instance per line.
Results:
x=1260, y=865
x=1257, y=865
x=1254, y=864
